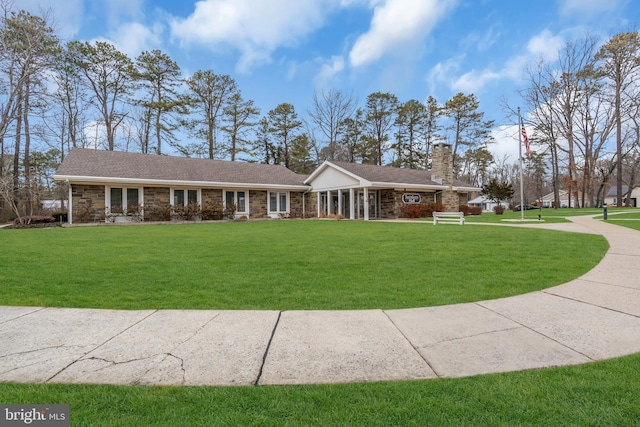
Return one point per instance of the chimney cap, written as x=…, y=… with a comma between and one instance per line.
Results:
x=442, y=144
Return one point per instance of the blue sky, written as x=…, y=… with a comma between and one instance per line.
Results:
x=284, y=50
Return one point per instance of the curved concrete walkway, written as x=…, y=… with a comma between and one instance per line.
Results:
x=596, y=316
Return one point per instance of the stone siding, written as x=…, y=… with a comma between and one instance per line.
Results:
x=211, y=195
x=389, y=206
x=155, y=196
x=310, y=204
x=87, y=203
x=257, y=204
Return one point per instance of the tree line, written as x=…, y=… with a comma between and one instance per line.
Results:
x=583, y=107
x=55, y=96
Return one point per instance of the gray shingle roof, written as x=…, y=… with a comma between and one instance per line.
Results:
x=388, y=174
x=82, y=162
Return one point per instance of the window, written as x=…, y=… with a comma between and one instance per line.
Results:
x=278, y=202
x=119, y=199
x=239, y=198
x=116, y=200
x=182, y=197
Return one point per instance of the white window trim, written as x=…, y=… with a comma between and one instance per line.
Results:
x=107, y=196
x=235, y=199
x=277, y=193
x=186, y=199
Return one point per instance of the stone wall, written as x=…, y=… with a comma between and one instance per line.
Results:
x=211, y=195
x=390, y=202
x=156, y=196
x=257, y=204
x=310, y=204
x=451, y=201
x=87, y=203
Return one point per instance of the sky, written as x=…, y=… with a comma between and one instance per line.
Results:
x=285, y=50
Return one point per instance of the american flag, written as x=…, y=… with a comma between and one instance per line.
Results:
x=526, y=140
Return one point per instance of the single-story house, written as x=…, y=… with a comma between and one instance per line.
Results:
x=108, y=184
x=486, y=204
x=548, y=200
x=612, y=196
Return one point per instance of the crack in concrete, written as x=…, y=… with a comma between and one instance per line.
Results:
x=23, y=315
x=100, y=345
x=479, y=334
x=266, y=351
x=197, y=331
x=40, y=349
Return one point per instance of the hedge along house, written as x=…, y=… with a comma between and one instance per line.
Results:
x=359, y=191
x=111, y=184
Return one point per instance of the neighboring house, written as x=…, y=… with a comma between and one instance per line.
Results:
x=486, y=204
x=612, y=197
x=50, y=205
x=547, y=200
x=104, y=182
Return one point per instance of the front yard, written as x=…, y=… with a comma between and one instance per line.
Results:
x=285, y=265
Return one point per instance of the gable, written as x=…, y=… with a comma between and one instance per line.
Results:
x=330, y=178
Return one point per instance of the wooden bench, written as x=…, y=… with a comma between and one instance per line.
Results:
x=448, y=216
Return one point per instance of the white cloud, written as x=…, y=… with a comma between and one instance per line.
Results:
x=505, y=147
x=544, y=45
x=255, y=28
x=68, y=19
x=132, y=38
x=396, y=23
x=118, y=11
x=328, y=70
x=442, y=72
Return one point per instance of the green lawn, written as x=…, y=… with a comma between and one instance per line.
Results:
x=354, y=265
x=546, y=215
x=624, y=217
x=598, y=394
x=285, y=264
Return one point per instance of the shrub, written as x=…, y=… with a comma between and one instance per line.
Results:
x=230, y=211
x=212, y=211
x=499, y=209
x=135, y=212
x=187, y=212
x=421, y=210
x=160, y=212
x=84, y=213
x=471, y=210
x=33, y=219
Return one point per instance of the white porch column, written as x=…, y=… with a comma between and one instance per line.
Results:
x=352, y=203
x=319, y=203
x=366, y=204
x=339, y=202
x=70, y=207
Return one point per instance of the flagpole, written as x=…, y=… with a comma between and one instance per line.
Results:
x=520, y=158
